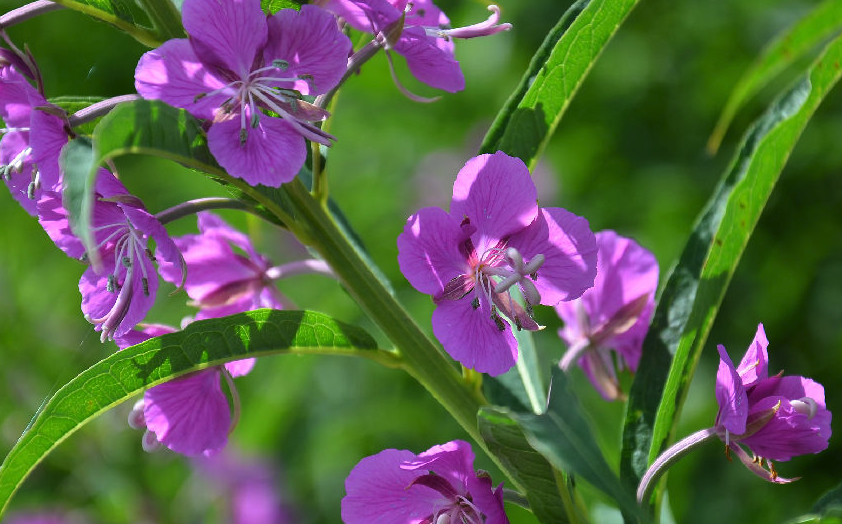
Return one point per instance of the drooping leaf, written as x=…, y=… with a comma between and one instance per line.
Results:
x=117, y=13
x=77, y=161
x=697, y=284
x=564, y=436
x=532, y=113
x=202, y=344
x=505, y=439
x=795, y=42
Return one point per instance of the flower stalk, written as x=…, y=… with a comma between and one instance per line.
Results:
x=99, y=109
x=30, y=10
x=669, y=457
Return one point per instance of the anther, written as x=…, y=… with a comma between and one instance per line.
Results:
x=149, y=254
x=501, y=326
x=243, y=136
x=30, y=190
x=475, y=303
x=127, y=262
x=145, y=283
x=283, y=65
x=255, y=121
x=112, y=284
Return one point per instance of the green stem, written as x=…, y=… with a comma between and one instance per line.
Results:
x=421, y=357
x=566, y=499
x=165, y=16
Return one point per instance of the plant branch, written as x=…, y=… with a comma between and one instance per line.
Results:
x=200, y=204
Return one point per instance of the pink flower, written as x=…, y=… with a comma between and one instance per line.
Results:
x=238, y=66
x=776, y=418
x=494, y=239
x=439, y=485
x=190, y=414
x=612, y=315
x=417, y=30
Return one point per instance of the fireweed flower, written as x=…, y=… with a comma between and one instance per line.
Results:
x=437, y=486
x=246, y=73
x=417, y=30
x=613, y=314
x=31, y=141
x=776, y=417
x=495, y=239
x=190, y=414
x=116, y=296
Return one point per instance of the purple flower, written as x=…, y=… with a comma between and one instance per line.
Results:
x=439, y=485
x=237, y=67
x=31, y=141
x=776, y=417
x=494, y=239
x=116, y=296
x=613, y=314
x=190, y=414
x=220, y=280
x=417, y=30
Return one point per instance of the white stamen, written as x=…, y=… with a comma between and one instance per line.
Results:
x=805, y=406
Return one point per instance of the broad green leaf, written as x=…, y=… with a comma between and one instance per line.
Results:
x=202, y=344
x=117, y=13
x=532, y=113
x=795, y=42
x=565, y=438
x=505, y=439
x=694, y=290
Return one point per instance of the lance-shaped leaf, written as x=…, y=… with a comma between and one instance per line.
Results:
x=532, y=113
x=202, y=344
x=697, y=284
x=792, y=44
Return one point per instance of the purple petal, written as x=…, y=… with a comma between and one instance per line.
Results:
x=757, y=469
x=730, y=395
x=189, y=415
x=107, y=185
x=377, y=492
x=212, y=225
x=134, y=336
x=10, y=146
x=240, y=368
x=754, y=366
x=271, y=155
x=15, y=98
x=369, y=16
x=497, y=194
x=488, y=501
x=47, y=138
x=789, y=433
x=453, y=460
x=428, y=62
x=53, y=218
x=311, y=43
x=428, y=250
x=165, y=248
x=472, y=338
x=226, y=33
x=173, y=73
x=570, y=252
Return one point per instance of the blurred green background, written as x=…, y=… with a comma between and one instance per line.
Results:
x=629, y=155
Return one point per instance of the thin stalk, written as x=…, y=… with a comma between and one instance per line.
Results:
x=24, y=13
x=99, y=109
x=300, y=267
x=192, y=207
x=566, y=500
x=669, y=457
x=354, y=63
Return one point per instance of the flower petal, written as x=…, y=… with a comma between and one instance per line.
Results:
x=226, y=33
x=189, y=415
x=789, y=433
x=11, y=145
x=497, y=194
x=46, y=139
x=730, y=395
x=53, y=218
x=15, y=98
x=173, y=73
x=453, y=460
x=754, y=366
x=165, y=248
x=428, y=250
x=376, y=492
x=570, y=252
x=369, y=16
x=428, y=62
x=311, y=43
x=271, y=155
x=472, y=338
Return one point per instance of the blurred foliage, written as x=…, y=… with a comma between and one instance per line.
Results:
x=628, y=155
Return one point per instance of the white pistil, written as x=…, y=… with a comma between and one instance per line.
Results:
x=519, y=275
x=805, y=406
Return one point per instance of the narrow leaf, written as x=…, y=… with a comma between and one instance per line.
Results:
x=505, y=439
x=202, y=344
x=795, y=42
x=565, y=438
x=77, y=161
x=697, y=284
x=532, y=113
x=117, y=13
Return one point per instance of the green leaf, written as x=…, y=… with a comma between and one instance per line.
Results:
x=202, y=344
x=565, y=438
x=830, y=503
x=697, y=284
x=117, y=13
x=273, y=6
x=505, y=439
x=77, y=161
x=522, y=387
x=532, y=113
x=795, y=42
